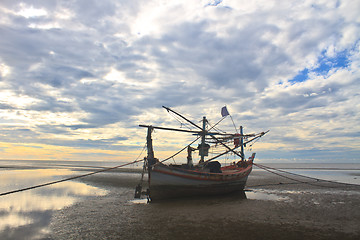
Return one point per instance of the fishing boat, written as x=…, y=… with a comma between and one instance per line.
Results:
x=207, y=177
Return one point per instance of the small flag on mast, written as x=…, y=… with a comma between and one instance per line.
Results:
x=224, y=112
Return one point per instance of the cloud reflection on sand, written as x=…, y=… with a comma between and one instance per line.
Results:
x=14, y=220
x=20, y=178
x=31, y=210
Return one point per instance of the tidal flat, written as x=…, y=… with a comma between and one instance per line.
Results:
x=273, y=208
x=102, y=206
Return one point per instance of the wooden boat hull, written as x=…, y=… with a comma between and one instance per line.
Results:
x=172, y=182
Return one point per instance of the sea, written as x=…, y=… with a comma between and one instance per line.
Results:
x=28, y=214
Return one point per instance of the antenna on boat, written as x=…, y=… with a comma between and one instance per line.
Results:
x=225, y=113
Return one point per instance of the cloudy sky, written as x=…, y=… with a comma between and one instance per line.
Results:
x=77, y=77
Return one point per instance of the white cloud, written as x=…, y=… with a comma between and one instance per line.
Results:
x=31, y=12
x=95, y=65
x=4, y=70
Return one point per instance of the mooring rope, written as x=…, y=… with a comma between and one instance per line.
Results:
x=172, y=156
x=317, y=180
x=68, y=179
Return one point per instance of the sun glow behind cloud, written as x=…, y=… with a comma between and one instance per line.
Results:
x=31, y=12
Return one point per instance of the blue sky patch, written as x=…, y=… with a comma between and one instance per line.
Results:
x=214, y=3
x=325, y=65
x=301, y=77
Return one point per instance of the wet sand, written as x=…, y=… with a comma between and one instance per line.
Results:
x=290, y=210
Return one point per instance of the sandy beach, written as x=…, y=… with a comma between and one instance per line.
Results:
x=273, y=208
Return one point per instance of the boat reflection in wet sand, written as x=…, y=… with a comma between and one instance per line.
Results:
x=205, y=178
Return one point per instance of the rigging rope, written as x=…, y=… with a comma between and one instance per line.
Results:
x=179, y=120
x=233, y=124
x=317, y=180
x=179, y=150
x=68, y=179
x=190, y=143
x=141, y=152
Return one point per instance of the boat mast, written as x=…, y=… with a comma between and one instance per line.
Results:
x=149, y=161
x=202, y=150
x=242, y=143
x=150, y=150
